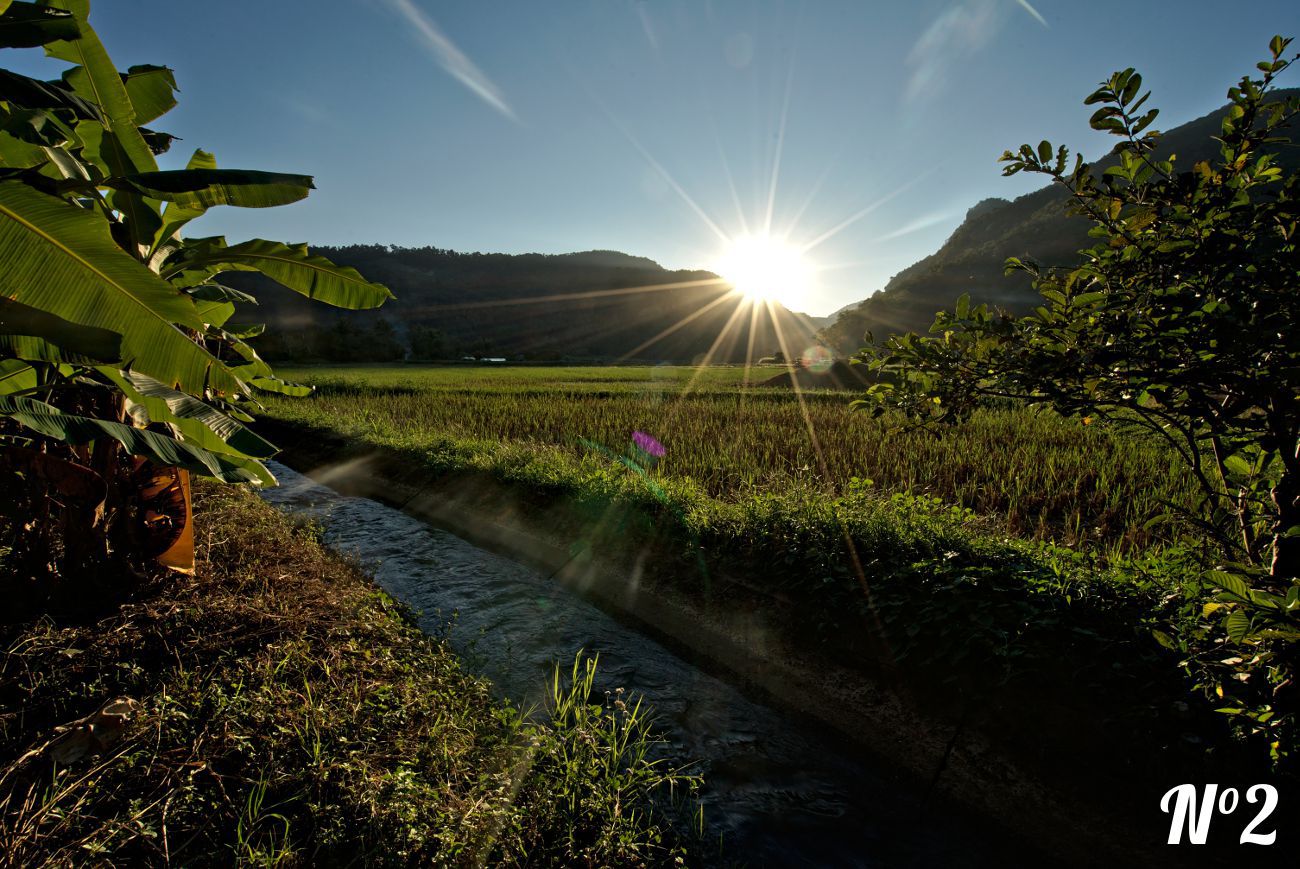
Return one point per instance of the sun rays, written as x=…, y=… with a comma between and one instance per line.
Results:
x=765, y=258
x=765, y=268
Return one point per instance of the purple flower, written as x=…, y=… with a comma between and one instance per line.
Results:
x=648, y=445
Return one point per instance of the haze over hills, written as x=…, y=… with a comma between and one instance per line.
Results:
x=591, y=305
x=1035, y=226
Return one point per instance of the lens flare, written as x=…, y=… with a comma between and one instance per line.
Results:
x=648, y=445
x=818, y=359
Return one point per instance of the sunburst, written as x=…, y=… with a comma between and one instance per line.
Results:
x=766, y=268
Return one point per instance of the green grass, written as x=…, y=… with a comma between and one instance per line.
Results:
x=524, y=378
x=288, y=714
x=977, y=543
x=1035, y=476
x=1005, y=558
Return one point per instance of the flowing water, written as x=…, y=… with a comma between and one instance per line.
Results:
x=774, y=791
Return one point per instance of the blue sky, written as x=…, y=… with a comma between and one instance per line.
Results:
x=569, y=125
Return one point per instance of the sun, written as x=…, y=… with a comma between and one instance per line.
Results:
x=766, y=268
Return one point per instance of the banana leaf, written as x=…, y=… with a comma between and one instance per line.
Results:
x=96, y=79
x=200, y=423
x=194, y=189
x=30, y=93
x=53, y=423
x=16, y=376
x=289, y=265
x=61, y=259
x=86, y=341
x=27, y=25
x=152, y=90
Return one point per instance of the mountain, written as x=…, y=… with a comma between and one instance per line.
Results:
x=818, y=322
x=591, y=305
x=1035, y=226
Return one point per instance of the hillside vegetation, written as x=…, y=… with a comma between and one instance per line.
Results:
x=593, y=305
x=1035, y=226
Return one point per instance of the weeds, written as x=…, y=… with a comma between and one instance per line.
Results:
x=289, y=715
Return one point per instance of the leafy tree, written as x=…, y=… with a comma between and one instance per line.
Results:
x=384, y=343
x=1181, y=320
x=118, y=373
x=428, y=343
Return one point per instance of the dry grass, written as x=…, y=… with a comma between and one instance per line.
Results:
x=288, y=715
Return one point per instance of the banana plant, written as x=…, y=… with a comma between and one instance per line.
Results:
x=119, y=373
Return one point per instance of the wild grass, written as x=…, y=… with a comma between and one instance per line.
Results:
x=1035, y=475
x=288, y=714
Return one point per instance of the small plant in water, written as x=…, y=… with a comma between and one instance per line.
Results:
x=603, y=768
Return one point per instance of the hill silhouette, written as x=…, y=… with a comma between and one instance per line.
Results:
x=1036, y=226
x=592, y=305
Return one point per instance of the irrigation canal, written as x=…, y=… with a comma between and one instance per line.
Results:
x=775, y=791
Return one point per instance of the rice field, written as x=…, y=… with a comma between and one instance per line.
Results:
x=1037, y=476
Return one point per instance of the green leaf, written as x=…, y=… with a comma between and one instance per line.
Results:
x=214, y=313
x=1131, y=88
x=176, y=216
x=200, y=423
x=201, y=159
x=1229, y=582
x=963, y=306
x=275, y=384
x=1238, y=465
x=38, y=127
x=290, y=265
x=152, y=90
x=97, y=79
x=17, y=154
x=30, y=349
x=61, y=259
x=29, y=93
x=89, y=341
x=27, y=25
x=1165, y=640
x=220, y=293
x=252, y=330
x=252, y=366
x=204, y=188
x=103, y=148
x=16, y=376
x=53, y=423
x=68, y=166
x=1237, y=625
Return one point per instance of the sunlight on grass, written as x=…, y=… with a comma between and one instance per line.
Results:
x=1036, y=475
